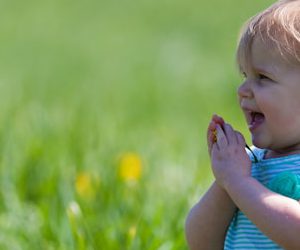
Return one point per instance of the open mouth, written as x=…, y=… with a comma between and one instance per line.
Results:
x=256, y=119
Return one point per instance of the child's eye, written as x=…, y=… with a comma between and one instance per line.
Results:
x=263, y=77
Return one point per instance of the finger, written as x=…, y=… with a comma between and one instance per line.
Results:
x=240, y=138
x=211, y=140
x=230, y=134
x=218, y=119
x=221, y=137
x=210, y=135
x=214, y=148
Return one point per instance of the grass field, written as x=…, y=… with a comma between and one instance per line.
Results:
x=104, y=108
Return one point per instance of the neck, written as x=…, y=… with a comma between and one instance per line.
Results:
x=281, y=152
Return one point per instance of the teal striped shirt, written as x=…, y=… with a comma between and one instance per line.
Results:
x=242, y=233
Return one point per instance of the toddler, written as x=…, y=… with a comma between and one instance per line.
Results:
x=254, y=200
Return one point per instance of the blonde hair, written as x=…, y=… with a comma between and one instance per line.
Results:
x=278, y=27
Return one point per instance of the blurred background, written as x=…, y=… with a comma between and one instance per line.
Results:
x=103, y=113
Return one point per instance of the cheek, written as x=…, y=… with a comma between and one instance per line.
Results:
x=266, y=104
x=285, y=115
x=275, y=104
x=290, y=109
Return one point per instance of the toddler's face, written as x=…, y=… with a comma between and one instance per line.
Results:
x=270, y=100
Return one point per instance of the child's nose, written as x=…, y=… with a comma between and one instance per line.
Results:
x=245, y=91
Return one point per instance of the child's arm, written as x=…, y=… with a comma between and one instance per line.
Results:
x=275, y=215
x=209, y=219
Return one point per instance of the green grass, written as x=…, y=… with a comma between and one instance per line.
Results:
x=83, y=82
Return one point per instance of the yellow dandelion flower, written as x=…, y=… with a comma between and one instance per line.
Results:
x=84, y=185
x=132, y=232
x=130, y=167
x=215, y=135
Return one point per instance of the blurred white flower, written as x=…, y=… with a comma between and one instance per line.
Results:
x=74, y=210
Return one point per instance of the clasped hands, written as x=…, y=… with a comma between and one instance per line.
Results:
x=229, y=159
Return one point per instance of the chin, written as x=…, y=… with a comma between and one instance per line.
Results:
x=259, y=143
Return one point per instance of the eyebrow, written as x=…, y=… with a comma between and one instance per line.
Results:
x=261, y=70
